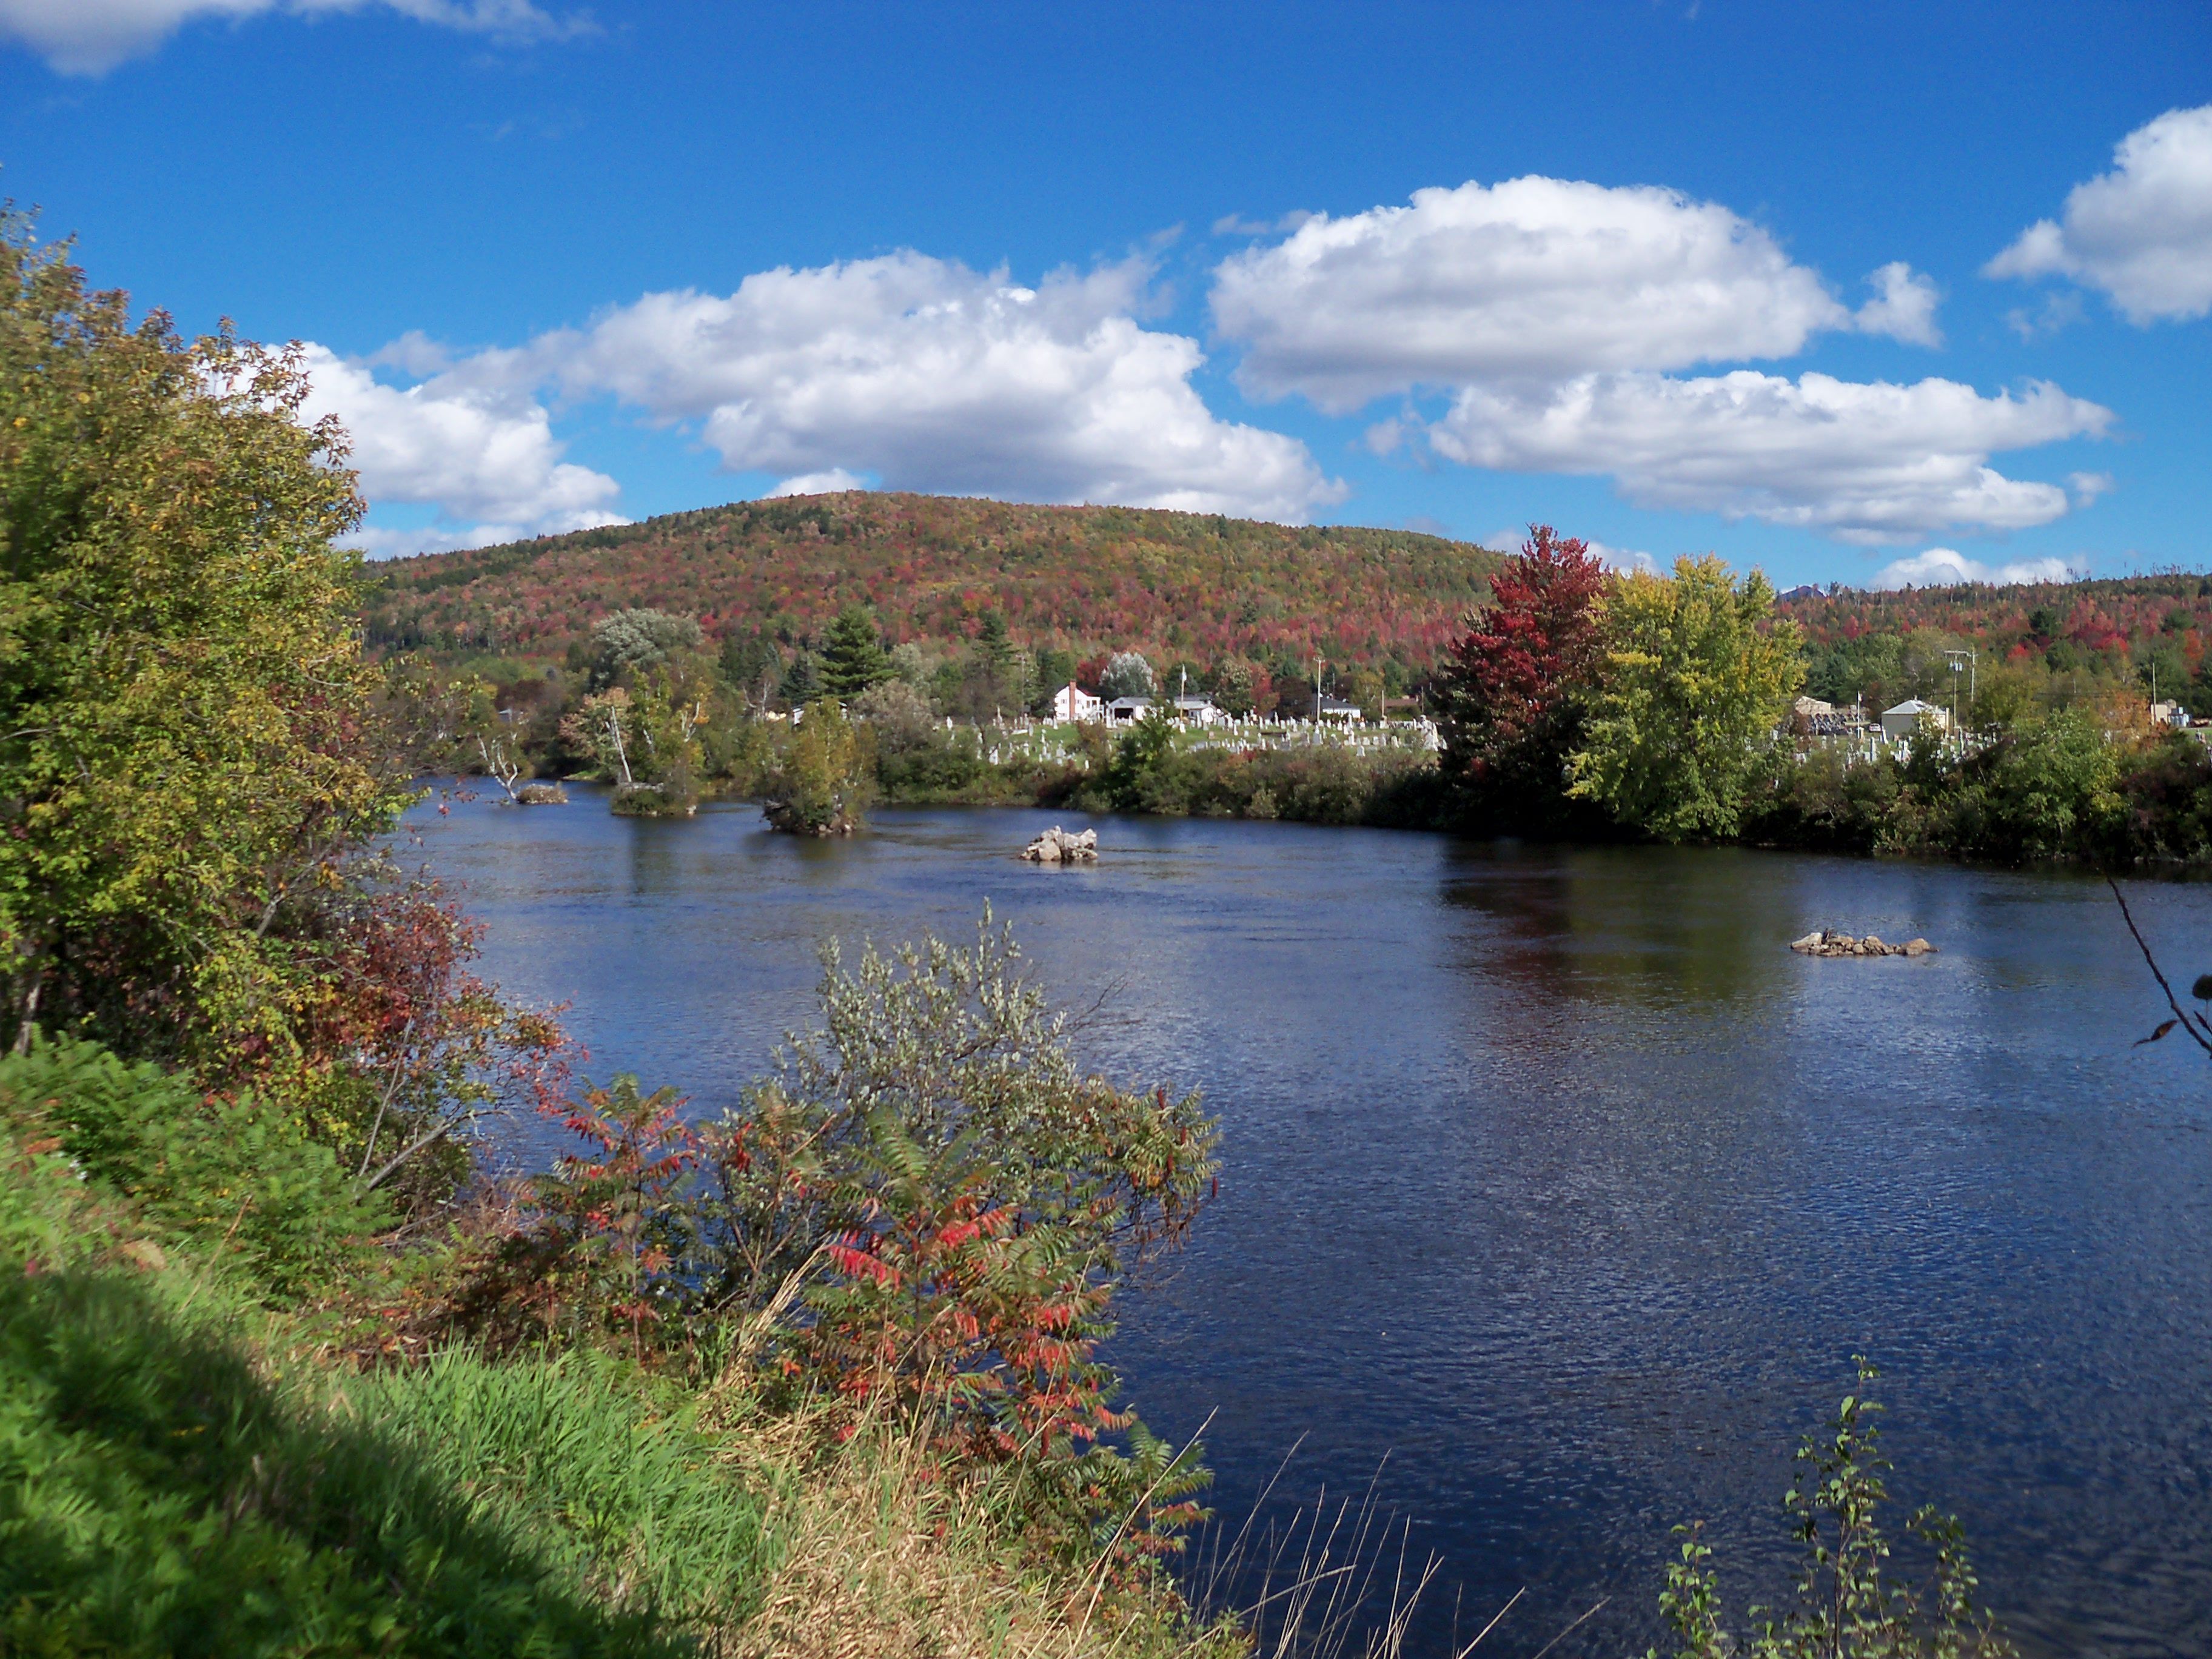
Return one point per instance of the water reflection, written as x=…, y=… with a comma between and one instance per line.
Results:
x=1553, y=1175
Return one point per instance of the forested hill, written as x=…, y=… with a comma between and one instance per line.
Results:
x=2100, y=616
x=1087, y=579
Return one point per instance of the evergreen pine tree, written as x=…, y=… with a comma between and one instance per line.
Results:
x=853, y=657
x=993, y=649
x=800, y=684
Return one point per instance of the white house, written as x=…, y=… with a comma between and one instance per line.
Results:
x=1123, y=710
x=1072, y=703
x=1333, y=708
x=1907, y=717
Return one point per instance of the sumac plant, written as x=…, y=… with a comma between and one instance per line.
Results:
x=608, y=1208
x=929, y=1204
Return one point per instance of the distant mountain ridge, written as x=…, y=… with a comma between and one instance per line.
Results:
x=1089, y=579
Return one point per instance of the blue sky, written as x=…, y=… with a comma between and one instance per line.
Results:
x=1856, y=292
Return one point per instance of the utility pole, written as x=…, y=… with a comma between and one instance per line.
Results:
x=1971, y=666
x=1317, y=689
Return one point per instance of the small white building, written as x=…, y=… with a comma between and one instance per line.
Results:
x=1334, y=708
x=1072, y=703
x=1189, y=711
x=2169, y=713
x=1907, y=720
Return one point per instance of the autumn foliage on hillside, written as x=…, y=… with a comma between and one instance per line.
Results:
x=1086, y=578
x=2103, y=616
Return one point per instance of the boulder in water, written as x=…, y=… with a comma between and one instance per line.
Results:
x=1057, y=846
x=1829, y=943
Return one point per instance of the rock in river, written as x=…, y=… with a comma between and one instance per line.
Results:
x=1057, y=846
x=1829, y=943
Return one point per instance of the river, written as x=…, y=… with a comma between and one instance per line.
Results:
x=1558, y=1194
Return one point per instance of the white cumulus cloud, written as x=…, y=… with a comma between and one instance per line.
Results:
x=1945, y=567
x=2142, y=232
x=931, y=376
x=89, y=37
x=833, y=481
x=1902, y=306
x=485, y=456
x=1533, y=278
x=1625, y=558
x=1866, y=463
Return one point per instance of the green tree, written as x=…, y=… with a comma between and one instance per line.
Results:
x=1054, y=669
x=994, y=647
x=183, y=693
x=1138, y=778
x=1364, y=687
x=996, y=677
x=748, y=663
x=853, y=657
x=800, y=684
x=823, y=780
x=198, y=765
x=629, y=642
x=1231, y=686
x=1695, y=675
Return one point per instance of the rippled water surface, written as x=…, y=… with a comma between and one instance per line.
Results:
x=1556, y=1187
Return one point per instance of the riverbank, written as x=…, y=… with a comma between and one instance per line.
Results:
x=221, y=1449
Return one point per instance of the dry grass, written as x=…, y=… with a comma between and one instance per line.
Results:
x=884, y=1554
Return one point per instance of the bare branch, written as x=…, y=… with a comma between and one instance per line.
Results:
x=2180, y=1013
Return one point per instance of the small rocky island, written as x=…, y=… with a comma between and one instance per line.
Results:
x=1829, y=943
x=1057, y=846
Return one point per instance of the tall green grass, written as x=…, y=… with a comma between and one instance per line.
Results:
x=158, y=1497
x=168, y=1486
x=629, y=1496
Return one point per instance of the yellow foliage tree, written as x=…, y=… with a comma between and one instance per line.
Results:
x=1695, y=676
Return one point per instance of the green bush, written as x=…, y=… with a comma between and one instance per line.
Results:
x=2059, y=788
x=234, y=1174
x=1850, y=1599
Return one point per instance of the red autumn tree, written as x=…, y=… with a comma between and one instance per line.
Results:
x=1512, y=686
